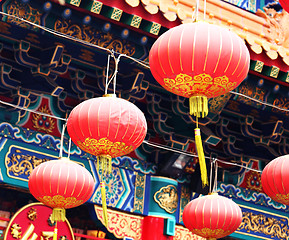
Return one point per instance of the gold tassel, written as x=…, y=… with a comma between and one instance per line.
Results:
x=106, y=167
x=55, y=233
x=104, y=207
x=202, y=161
x=106, y=163
x=109, y=165
x=199, y=106
x=58, y=214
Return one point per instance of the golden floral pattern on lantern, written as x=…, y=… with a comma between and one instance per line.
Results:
x=60, y=201
x=211, y=233
x=104, y=146
x=167, y=198
x=283, y=198
x=202, y=84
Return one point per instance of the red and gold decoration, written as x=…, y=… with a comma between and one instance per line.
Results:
x=61, y=184
x=107, y=127
x=274, y=179
x=212, y=216
x=199, y=61
x=23, y=227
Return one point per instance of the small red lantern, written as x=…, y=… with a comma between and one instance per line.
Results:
x=107, y=127
x=199, y=61
x=274, y=179
x=61, y=184
x=212, y=216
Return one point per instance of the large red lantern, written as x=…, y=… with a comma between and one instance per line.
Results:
x=212, y=216
x=199, y=61
x=274, y=179
x=107, y=127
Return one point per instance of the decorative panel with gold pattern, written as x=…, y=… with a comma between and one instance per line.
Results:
x=94, y=36
x=122, y=224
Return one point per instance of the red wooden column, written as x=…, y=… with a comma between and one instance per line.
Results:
x=153, y=229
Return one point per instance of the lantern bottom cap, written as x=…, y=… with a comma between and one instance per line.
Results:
x=58, y=215
x=199, y=106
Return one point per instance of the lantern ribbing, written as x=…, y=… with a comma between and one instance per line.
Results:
x=212, y=216
x=274, y=179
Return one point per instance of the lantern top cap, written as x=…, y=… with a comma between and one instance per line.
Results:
x=109, y=95
x=64, y=158
x=213, y=193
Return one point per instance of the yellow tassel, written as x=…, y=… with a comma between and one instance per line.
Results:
x=202, y=161
x=97, y=164
x=55, y=233
x=104, y=207
x=199, y=106
x=106, y=163
x=58, y=215
x=109, y=165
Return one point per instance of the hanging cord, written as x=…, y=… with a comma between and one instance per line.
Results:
x=205, y=4
x=113, y=77
x=211, y=172
x=195, y=155
x=107, y=71
x=196, y=12
x=59, y=34
x=62, y=35
x=216, y=177
x=69, y=147
x=61, y=140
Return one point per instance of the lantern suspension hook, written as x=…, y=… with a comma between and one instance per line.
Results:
x=214, y=164
x=107, y=71
x=113, y=77
x=216, y=176
x=205, y=6
x=195, y=15
x=61, y=140
x=69, y=147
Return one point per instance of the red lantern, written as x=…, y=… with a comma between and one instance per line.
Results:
x=284, y=4
x=199, y=61
x=107, y=127
x=212, y=216
x=274, y=179
x=61, y=184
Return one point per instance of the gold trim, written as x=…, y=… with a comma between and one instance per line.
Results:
x=25, y=149
x=167, y=198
